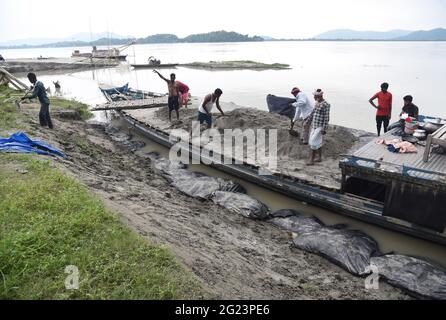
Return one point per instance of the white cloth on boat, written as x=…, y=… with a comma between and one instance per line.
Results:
x=303, y=105
x=316, y=138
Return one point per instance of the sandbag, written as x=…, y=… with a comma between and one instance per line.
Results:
x=241, y=204
x=416, y=276
x=281, y=105
x=349, y=249
x=294, y=221
x=201, y=186
x=118, y=136
x=165, y=167
x=194, y=184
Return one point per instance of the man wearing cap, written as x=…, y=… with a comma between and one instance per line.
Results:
x=303, y=110
x=320, y=117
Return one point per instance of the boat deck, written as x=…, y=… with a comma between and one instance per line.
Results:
x=378, y=153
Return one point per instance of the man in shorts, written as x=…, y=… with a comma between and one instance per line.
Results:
x=174, y=94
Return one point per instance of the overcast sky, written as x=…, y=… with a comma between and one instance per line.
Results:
x=277, y=18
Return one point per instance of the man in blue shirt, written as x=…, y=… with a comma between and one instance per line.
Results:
x=39, y=92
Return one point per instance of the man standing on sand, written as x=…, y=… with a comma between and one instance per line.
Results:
x=184, y=93
x=174, y=94
x=39, y=92
x=303, y=110
x=319, y=118
x=205, y=108
x=384, y=107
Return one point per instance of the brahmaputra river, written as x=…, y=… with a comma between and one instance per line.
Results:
x=348, y=72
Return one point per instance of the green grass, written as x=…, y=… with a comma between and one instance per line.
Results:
x=48, y=221
x=59, y=103
x=10, y=117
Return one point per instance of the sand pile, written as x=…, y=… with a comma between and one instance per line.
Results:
x=337, y=141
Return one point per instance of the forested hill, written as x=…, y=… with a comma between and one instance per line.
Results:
x=216, y=36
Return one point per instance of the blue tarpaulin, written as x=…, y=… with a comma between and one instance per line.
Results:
x=21, y=143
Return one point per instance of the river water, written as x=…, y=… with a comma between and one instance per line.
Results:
x=349, y=73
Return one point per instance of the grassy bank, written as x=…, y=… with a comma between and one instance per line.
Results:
x=48, y=221
x=10, y=117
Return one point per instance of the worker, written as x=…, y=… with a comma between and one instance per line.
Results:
x=205, y=108
x=39, y=92
x=383, y=109
x=304, y=107
x=174, y=94
x=319, y=119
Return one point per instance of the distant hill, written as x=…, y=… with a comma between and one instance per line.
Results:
x=220, y=36
x=78, y=37
x=430, y=35
x=348, y=34
x=216, y=36
x=159, y=38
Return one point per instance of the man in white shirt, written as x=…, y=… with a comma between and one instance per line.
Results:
x=304, y=108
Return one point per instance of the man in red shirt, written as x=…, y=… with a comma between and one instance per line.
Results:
x=384, y=107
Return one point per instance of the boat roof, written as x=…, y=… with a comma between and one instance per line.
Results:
x=406, y=163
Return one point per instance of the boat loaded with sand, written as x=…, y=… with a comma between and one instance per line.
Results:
x=377, y=186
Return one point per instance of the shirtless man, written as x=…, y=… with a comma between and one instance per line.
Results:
x=174, y=94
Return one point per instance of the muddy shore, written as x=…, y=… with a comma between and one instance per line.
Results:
x=54, y=65
x=233, y=257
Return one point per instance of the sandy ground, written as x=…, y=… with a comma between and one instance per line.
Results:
x=233, y=257
x=292, y=155
x=236, y=65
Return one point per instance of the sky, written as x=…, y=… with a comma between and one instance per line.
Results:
x=22, y=19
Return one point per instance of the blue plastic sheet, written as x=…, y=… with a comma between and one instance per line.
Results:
x=21, y=143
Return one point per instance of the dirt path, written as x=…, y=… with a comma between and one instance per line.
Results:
x=232, y=256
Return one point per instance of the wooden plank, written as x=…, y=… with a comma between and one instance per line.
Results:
x=111, y=107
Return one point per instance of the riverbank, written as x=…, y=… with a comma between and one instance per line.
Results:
x=232, y=257
x=50, y=222
x=54, y=65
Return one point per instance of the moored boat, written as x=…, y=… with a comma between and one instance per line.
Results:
x=154, y=66
x=399, y=192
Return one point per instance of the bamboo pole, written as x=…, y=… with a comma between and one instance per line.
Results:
x=11, y=77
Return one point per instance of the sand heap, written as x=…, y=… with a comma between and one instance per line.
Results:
x=337, y=141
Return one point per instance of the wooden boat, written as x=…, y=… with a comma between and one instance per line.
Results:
x=154, y=66
x=408, y=198
x=126, y=93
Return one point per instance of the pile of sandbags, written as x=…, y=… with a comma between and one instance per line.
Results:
x=223, y=192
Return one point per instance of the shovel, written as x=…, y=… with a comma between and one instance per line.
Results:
x=17, y=104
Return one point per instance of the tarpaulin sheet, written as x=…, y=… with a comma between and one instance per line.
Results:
x=20, y=143
x=281, y=105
